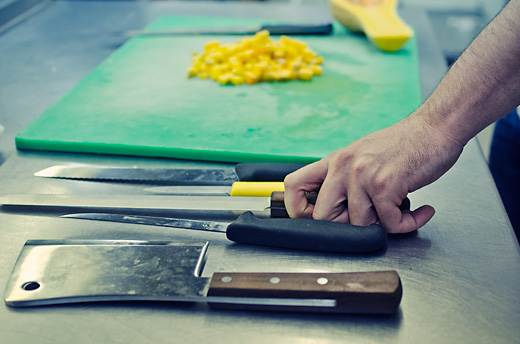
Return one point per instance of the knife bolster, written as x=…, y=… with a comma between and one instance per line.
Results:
x=278, y=203
x=378, y=292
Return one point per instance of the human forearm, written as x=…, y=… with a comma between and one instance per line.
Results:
x=484, y=83
x=367, y=181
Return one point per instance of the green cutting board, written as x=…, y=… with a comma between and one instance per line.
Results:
x=140, y=102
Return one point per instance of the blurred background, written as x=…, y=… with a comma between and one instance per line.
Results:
x=455, y=23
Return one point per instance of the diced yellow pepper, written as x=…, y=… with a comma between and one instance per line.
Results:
x=307, y=55
x=246, y=55
x=293, y=42
x=224, y=78
x=316, y=70
x=210, y=46
x=286, y=74
x=203, y=75
x=279, y=52
x=270, y=76
x=191, y=72
x=234, y=61
x=254, y=59
x=237, y=79
x=317, y=60
x=251, y=78
x=305, y=74
x=264, y=34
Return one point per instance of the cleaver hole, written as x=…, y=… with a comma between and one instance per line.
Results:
x=30, y=285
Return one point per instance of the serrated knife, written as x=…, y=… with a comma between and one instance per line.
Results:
x=264, y=172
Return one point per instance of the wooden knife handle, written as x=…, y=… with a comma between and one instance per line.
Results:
x=377, y=292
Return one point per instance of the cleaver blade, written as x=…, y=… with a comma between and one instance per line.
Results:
x=51, y=272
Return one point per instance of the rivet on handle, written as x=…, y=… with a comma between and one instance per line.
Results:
x=274, y=280
x=322, y=281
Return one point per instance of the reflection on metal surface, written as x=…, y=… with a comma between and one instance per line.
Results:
x=210, y=226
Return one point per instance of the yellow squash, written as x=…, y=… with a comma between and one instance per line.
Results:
x=378, y=19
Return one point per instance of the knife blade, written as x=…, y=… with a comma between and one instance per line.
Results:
x=256, y=189
x=263, y=207
x=304, y=30
x=300, y=234
x=166, y=205
x=128, y=271
x=275, y=172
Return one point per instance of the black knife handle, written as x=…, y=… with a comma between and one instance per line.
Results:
x=324, y=29
x=305, y=234
x=265, y=172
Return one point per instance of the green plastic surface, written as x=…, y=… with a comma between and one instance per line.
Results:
x=140, y=102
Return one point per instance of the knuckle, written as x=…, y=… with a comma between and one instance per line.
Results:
x=359, y=167
x=380, y=183
x=341, y=158
x=289, y=181
x=317, y=216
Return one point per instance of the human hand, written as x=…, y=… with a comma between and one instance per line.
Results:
x=366, y=182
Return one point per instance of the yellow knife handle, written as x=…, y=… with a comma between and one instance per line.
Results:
x=256, y=189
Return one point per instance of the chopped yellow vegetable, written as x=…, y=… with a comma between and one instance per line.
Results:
x=191, y=71
x=224, y=78
x=211, y=46
x=316, y=70
x=305, y=74
x=254, y=59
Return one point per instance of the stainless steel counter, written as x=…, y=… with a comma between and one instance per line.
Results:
x=460, y=273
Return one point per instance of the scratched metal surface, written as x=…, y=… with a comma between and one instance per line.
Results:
x=460, y=273
x=67, y=271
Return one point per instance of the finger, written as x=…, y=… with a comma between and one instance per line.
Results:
x=360, y=207
x=306, y=179
x=395, y=220
x=331, y=202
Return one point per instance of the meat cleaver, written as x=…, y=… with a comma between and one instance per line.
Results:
x=51, y=272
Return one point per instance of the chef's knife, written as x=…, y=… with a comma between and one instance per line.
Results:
x=304, y=30
x=166, y=205
x=264, y=172
x=53, y=272
x=301, y=234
